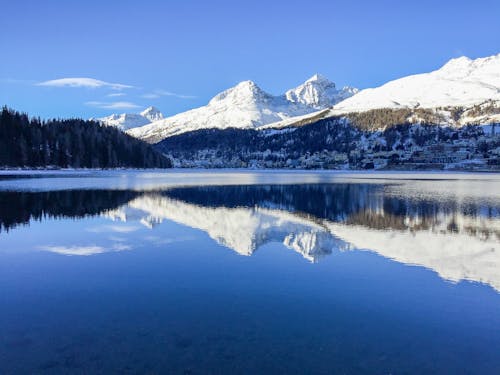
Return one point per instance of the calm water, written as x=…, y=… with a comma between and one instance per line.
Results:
x=249, y=273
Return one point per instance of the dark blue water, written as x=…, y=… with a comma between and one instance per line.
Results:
x=243, y=273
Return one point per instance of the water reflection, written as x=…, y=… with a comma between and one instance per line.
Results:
x=21, y=207
x=456, y=236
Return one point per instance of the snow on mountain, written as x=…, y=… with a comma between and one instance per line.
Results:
x=460, y=82
x=319, y=92
x=126, y=121
x=473, y=85
x=152, y=114
x=247, y=106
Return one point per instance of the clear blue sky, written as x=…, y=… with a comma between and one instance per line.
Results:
x=195, y=49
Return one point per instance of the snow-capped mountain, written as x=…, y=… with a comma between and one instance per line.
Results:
x=460, y=82
x=319, y=92
x=126, y=121
x=247, y=106
x=152, y=114
x=462, y=92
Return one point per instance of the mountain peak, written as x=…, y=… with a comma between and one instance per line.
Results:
x=126, y=121
x=464, y=68
x=459, y=60
x=246, y=105
x=150, y=109
x=247, y=87
x=247, y=83
x=456, y=64
x=318, y=92
x=243, y=91
x=152, y=113
x=319, y=79
x=461, y=82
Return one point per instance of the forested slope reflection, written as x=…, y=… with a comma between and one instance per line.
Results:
x=370, y=205
x=18, y=208
x=457, y=238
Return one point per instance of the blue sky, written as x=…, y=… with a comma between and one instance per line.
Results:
x=176, y=55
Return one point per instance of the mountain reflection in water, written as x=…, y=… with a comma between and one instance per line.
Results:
x=457, y=236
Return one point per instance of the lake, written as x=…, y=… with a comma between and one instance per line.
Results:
x=241, y=272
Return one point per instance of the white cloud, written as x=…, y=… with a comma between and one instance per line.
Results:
x=116, y=94
x=157, y=93
x=117, y=239
x=156, y=240
x=74, y=250
x=83, y=82
x=84, y=250
x=113, y=105
x=150, y=96
x=121, y=247
x=114, y=228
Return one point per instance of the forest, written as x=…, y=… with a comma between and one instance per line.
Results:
x=71, y=143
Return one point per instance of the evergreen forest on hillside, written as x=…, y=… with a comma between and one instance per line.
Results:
x=70, y=143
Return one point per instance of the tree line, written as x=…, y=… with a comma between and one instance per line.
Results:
x=70, y=143
x=20, y=208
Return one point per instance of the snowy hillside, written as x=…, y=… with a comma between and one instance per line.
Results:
x=247, y=106
x=126, y=121
x=460, y=82
x=462, y=92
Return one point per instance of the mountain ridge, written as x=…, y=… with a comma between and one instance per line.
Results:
x=127, y=121
x=456, y=94
x=246, y=105
x=460, y=82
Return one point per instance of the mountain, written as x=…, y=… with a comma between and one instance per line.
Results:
x=247, y=106
x=126, y=121
x=461, y=82
x=152, y=114
x=320, y=93
x=462, y=92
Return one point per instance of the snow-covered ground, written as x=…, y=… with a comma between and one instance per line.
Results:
x=460, y=82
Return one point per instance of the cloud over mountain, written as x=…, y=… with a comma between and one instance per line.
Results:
x=83, y=82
